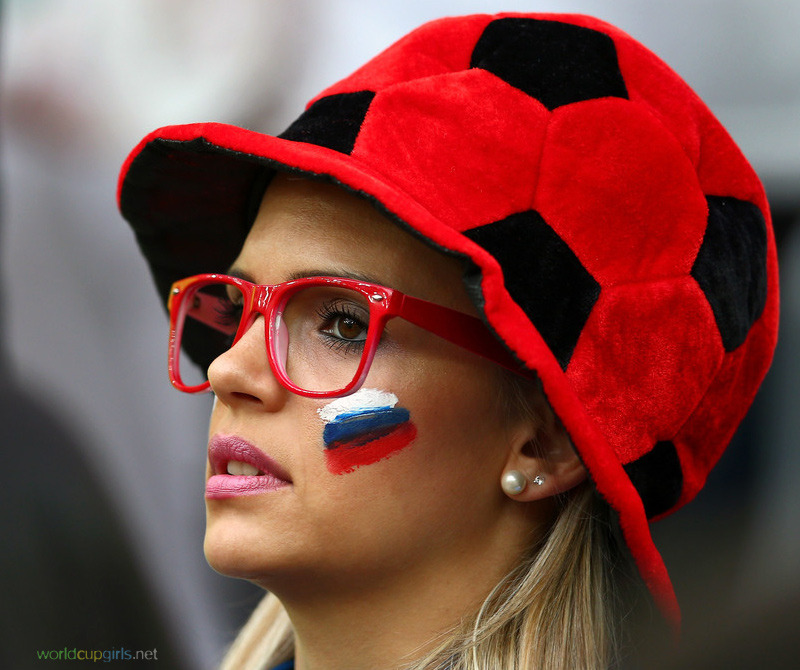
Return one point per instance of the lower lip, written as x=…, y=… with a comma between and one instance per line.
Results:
x=219, y=487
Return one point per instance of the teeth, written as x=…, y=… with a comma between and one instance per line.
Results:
x=239, y=468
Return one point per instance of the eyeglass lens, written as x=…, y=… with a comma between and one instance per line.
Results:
x=320, y=333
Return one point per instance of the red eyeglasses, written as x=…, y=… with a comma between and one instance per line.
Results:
x=321, y=333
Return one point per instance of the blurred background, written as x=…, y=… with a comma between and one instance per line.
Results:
x=102, y=511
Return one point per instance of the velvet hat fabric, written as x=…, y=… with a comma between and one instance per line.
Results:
x=616, y=239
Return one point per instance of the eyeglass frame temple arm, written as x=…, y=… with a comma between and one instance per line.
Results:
x=466, y=331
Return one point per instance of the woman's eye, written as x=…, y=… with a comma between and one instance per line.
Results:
x=340, y=318
x=346, y=327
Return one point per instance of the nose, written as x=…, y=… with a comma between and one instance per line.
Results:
x=242, y=376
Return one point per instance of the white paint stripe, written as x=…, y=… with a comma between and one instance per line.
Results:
x=363, y=399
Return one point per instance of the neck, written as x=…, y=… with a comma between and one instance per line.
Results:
x=379, y=629
x=364, y=623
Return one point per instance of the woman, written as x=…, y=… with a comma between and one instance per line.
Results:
x=491, y=304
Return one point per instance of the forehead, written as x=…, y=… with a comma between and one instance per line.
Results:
x=295, y=208
x=306, y=226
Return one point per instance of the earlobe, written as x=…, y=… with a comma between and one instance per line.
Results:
x=542, y=467
x=541, y=480
x=515, y=482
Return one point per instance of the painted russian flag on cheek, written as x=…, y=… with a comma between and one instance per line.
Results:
x=364, y=428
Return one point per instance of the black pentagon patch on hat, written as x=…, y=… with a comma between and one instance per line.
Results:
x=543, y=276
x=333, y=121
x=658, y=478
x=731, y=266
x=556, y=63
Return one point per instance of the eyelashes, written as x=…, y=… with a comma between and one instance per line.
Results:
x=343, y=328
x=229, y=315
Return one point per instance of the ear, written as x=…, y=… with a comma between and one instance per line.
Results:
x=543, y=453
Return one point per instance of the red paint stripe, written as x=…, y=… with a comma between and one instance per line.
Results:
x=347, y=458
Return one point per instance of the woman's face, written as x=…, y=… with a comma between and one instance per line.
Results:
x=391, y=508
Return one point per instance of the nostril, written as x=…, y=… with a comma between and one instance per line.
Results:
x=246, y=397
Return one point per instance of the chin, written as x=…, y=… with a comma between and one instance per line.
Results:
x=239, y=547
x=232, y=546
x=229, y=556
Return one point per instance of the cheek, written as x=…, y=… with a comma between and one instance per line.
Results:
x=462, y=421
x=364, y=428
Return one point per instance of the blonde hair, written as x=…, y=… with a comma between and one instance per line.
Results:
x=563, y=607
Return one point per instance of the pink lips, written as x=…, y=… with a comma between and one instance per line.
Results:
x=225, y=448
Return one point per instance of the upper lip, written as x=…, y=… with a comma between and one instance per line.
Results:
x=225, y=448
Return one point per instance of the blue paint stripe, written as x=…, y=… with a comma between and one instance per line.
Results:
x=362, y=439
x=347, y=426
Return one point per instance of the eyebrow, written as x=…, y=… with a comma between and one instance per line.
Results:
x=314, y=272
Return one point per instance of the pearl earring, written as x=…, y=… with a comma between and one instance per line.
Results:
x=513, y=482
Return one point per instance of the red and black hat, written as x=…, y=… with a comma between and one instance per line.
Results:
x=620, y=243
